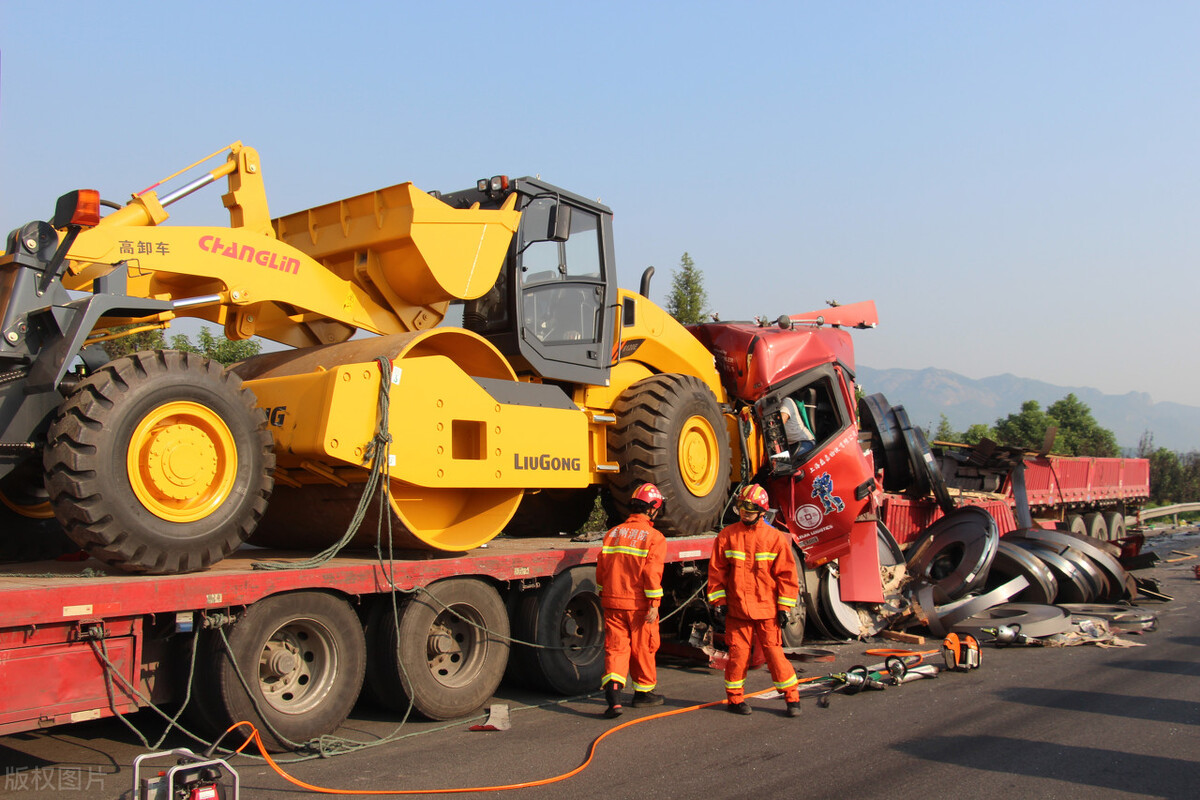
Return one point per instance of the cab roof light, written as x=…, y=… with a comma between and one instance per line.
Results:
x=80, y=208
x=494, y=187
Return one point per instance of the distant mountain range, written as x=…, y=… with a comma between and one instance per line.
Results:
x=926, y=394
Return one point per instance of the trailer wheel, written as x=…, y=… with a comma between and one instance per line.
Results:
x=160, y=463
x=670, y=432
x=566, y=618
x=553, y=511
x=1097, y=528
x=1075, y=524
x=302, y=654
x=1115, y=522
x=453, y=646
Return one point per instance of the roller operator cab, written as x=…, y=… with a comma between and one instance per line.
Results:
x=650, y=390
x=551, y=309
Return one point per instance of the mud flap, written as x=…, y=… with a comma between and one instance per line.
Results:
x=859, y=569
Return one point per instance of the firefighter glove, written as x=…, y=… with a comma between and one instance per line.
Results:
x=781, y=617
x=718, y=613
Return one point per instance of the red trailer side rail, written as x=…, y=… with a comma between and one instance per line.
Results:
x=57, y=628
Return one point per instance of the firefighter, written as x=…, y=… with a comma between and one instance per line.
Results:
x=629, y=578
x=752, y=582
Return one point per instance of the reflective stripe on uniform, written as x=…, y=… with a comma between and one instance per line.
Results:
x=735, y=684
x=765, y=556
x=654, y=593
x=644, y=687
x=735, y=554
x=789, y=683
x=787, y=602
x=610, y=677
x=613, y=549
x=717, y=595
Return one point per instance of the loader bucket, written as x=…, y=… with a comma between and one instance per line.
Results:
x=408, y=246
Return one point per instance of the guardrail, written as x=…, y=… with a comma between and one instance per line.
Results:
x=1172, y=511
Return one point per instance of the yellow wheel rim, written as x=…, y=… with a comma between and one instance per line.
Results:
x=182, y=461
x=698, y=454
x=42, y=510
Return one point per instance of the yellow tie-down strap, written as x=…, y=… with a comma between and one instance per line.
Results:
x=447, y=429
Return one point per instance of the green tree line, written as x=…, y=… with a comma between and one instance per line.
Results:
x=218, y=348
x=1174, y=477
x=1078, y=433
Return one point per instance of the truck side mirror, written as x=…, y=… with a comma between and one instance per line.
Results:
x=559, y=227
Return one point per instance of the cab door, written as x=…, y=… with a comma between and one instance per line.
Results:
x=566, y=291
x=823, y=488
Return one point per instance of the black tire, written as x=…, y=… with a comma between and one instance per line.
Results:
x=203, y=714
x=550, y=512
x=1097, y=528
x=1075, y=524
x=657, y=417
x=28, y=529
x=160, y=403
x=879, y=419
x=522, y=669
x=1115, y=523
x=793, y=632
x=927, y=474
x=446, y=666
x=565, y=613
x=840, y=617
x=303, y=656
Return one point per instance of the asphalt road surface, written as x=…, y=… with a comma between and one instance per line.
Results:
x=1031, y=722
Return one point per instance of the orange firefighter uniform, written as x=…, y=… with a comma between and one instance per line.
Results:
x=752, y=573
x=629, y=575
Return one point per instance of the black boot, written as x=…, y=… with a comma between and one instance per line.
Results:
x=742, y=708
x=612, y=694
x=793, y=708
x=643, y=699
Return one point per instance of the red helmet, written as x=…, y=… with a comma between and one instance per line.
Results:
x=753, y=498
x=649, y=494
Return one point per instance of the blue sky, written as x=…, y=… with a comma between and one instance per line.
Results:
x=1016, y=185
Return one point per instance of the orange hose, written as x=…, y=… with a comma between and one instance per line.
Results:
x=254, y=737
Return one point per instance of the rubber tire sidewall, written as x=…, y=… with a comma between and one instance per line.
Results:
x=1096, y=524
x=793, y=632
x=132, y=537
x=686, y=396
x=1115, y=522
x=554, y=671
x=248, y=637
x=430, y=698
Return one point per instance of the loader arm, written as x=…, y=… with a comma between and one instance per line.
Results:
x=387, y=261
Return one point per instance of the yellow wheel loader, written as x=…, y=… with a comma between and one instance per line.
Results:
x=557, y=383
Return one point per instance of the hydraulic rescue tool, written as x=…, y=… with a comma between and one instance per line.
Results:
x=191, y=777
x=961, y=653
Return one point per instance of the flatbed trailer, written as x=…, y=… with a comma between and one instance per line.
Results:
x=1086, y=495
x=79, y=641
